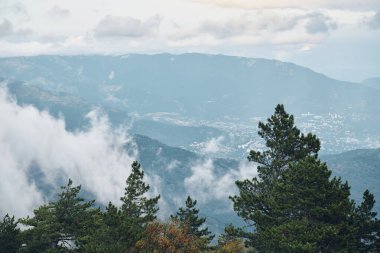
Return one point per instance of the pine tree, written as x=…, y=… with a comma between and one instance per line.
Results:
x=108, y=237
x=137, y=209
x=9, y=235
x=189, y=216
x=61, y=225
x=135, y=203
x=285, y=144
x=229, y=242
x=122, y=227
x=366, y=225
x=293, y=205
x=310, y=211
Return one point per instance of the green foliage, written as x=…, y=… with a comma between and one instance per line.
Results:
x=189, y=216
x=137, y=209
x=310, y=211
x=135, y=204
x=121, y=228
x=9, y=235
x=293, y=205
x=366, y=225
x=62, y=225
x=285, y=144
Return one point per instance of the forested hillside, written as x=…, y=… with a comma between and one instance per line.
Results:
x=294, y=205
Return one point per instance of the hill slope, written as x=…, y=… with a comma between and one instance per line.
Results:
x=361, y=168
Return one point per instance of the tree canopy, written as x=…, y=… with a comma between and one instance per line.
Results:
x=294, y=205
x=189, y=215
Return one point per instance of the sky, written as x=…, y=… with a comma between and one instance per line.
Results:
x=339, y=38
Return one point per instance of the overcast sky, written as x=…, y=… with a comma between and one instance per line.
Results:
x=340, y=38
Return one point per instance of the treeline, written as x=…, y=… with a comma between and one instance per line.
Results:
x=293, y=205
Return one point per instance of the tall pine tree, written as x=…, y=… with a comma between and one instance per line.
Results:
x=62, y=225
x=285, y=144
x=189, y=216
x=9, y=235
x=366, y=226
x=293, y=205
x=137, y=209
x=122, y=227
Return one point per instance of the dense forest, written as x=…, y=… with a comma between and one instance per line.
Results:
x=293, y=205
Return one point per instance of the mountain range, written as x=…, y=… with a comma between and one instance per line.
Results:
x=196, y=112
x=203, y=97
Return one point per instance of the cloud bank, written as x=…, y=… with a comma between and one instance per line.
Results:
x=375, y=21
x=206, y=184
x=270, y=4
x=115, y=26
x=94, y=157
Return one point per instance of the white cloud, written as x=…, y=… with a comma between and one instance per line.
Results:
x=375, y=21
x=204, y=184
x=19, y=9
x=213, y=146
x=262, y=27
x=173, y=165
x=306, y=48
x=17, y=196
x=6, y=28
x=308, y=4
x=319, y=23
x=58, y=12
x=94, y=157
x=246, y=28
x=111, y=75
x=115, y=26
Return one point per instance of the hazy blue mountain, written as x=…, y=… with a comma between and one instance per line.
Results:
x=372, y=82
x=187, y=100
x=361, y=168
x=173, y=165
x=175, y=135
x=177, y=105
x=196, y=85
x=74, y=109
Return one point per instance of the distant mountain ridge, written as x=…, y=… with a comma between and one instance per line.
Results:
x=373, y=82
x=177, y=106
x=201, y=86
x=188, y=100
x=361, y=168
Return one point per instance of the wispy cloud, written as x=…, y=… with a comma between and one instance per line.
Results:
x=263, y=27
x=268, y=4
x=213, y=146
x=116, y=26
x=319, y=23
x=58, y=12
x=206, y=184
x=7, y=30
x=375, y=21
x=95, y=157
